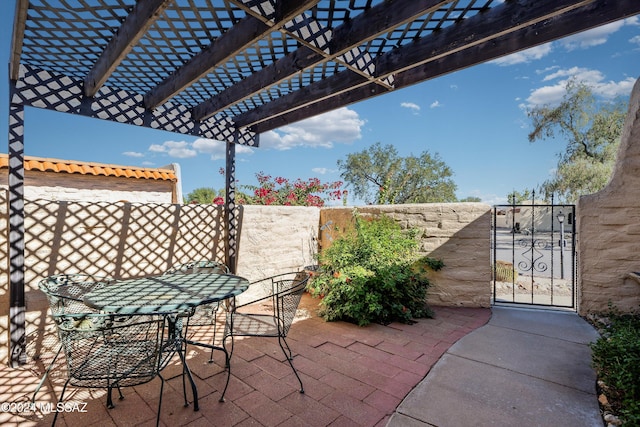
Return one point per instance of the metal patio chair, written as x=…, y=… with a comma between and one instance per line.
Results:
x=202, y=315
x=268, y=315
x=108, y=350
x=206, y=314
x=64, y=293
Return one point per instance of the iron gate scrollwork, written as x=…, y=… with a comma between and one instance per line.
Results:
x=533, y=254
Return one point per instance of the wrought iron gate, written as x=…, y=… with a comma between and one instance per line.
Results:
x=533, y=254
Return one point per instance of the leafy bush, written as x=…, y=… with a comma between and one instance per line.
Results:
x=616, y=358
x=373, y=274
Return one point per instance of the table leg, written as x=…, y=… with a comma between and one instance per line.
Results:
x=186, y=369
x=181, y=347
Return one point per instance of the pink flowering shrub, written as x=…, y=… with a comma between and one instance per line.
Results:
x=281, y=191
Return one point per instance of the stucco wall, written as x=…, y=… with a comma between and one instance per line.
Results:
x=89, y=188
x=277, y=239
x=609, y=229
x=457, y=233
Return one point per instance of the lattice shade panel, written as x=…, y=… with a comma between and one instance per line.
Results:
x=225, y=68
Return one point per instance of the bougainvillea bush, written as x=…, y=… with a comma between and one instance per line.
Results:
x=373, y=274
x=281, y=191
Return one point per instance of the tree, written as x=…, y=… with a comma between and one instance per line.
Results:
x=204, y=195
x=471, y=199
x=378, y=175
x=516, y=197
x=591, y=130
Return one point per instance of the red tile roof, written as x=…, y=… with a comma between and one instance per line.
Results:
x=90, y=168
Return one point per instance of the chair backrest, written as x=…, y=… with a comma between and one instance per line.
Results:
x=203, y=266
x=64, y=291
x=287, y=293
x=106, y=350
x=202, y=315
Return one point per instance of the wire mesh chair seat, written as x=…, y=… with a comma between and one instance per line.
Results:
x=111, y=351
x=269, y=314
x=64, y=293
x=104, y=350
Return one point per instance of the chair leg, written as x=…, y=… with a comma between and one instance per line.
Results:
x=186, y=370
x=285, y=345
x=110, y=404
x=227, y=356
x=289, y=356
x=184, y=383
x=45, y=375
x=183, y=349
x=64, y=388
x=160, y=400
x=215, y=330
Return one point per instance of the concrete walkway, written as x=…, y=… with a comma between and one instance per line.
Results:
x=524, y=368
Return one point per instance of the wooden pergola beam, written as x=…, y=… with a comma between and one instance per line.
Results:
x=498, y=21
x=367, y=26
x=592, y=15
x=19, y=25
x=242, y=35
x=134, y=27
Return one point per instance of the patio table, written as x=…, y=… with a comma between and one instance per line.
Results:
x=172, y=294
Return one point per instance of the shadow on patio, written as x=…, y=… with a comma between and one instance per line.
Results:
x=353, y=376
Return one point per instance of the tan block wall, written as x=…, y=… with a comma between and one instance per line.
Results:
x=609, y=229
x=457, y=233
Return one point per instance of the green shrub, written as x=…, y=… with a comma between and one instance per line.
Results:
x=373, y=274
x=616, y=358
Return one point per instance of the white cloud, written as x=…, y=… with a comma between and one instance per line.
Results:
x=184, y=150
x=435, y=104
x=590, y=38
x=584, y=40
x=525, y=56
x=634, y=21
x=635, y=40
x=132, y=154
x=339, y=126
x=177, y=149
x=323, y=171
x=553, y=93
x=454, y=87
x=546, y=70
x=217, y=149
x=410, y=105
x=581, y=74
x=595, y=36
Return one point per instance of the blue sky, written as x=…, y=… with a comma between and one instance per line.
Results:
x=474, y=119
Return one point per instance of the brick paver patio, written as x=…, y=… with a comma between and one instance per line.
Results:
x=353, y=376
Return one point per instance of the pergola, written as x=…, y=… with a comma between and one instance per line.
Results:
x=230, y=70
